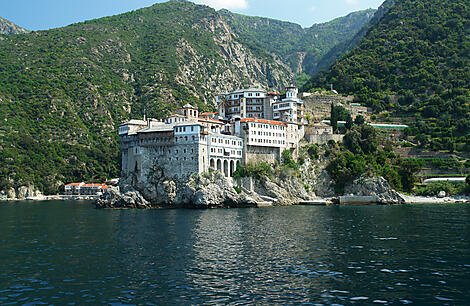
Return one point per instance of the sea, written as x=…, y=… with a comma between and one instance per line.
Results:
x=69, y=253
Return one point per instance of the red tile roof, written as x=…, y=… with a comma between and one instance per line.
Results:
x=209, y=114
x=209, y=119
x=272, y=122
x=74, y=184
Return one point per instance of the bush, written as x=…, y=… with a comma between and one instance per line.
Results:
x=237, y=189
x=313, y=151
x=288, y=161
x=256, y=170
x=450, y=188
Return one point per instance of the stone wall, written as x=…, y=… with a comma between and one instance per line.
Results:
x=258, y=154
x=323, y=139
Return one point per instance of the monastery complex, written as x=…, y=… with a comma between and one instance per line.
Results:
x=250, y=125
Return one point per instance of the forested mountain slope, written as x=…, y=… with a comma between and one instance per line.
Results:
x=415, y=62
x=301, y=48
x=63, y=92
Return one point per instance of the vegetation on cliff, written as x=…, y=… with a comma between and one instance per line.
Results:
x=415, y=63
x=301, y=48
x=361, y=153
x=64, y=91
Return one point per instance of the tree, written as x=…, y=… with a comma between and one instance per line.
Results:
x=359, y=120
x=349, y=122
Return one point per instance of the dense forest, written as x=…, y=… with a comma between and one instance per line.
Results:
x=415, y=65
x=301, y=48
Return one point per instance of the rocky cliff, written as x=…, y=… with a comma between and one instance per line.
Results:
x=282, y=186
x=8, y=27
x=207, y=190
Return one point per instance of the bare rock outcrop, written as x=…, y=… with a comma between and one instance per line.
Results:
x=113, y=198
x=374, y=186
x=207, y=190
x=22, y=193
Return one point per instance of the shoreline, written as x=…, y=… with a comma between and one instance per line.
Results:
x=54, y=198
x=435, y=200
x=409, y=199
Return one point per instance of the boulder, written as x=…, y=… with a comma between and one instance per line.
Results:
x=113, y=198
x=441, y=194
x=374, y=186
x=11, y=193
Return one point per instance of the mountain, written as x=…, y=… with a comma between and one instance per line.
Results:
x=63, y=92
x=8, y=27
x=415, y=63
x=346, y=45
x=301, y=48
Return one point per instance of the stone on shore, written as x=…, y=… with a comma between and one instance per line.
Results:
x=374, y=186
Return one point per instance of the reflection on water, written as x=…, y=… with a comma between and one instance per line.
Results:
x=67, y=252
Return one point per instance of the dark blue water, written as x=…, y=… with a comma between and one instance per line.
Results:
x=69, y=253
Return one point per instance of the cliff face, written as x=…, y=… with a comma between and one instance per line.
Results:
x=8, y=27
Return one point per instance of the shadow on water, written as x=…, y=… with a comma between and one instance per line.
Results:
x=67, y=252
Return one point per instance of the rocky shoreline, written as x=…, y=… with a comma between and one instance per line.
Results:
x=213, y=190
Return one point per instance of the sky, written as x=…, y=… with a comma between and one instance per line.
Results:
x=46, y=14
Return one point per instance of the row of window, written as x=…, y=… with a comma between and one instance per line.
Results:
x=268, y=141
x=182, y=129
x=227, y=141
x=185, y=138
x=221, y=151
x=282, y=105
x=254, y=101
x=155, y=139
x=260, y=133
x=267, y=126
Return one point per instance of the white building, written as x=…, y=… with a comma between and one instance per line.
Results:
x=291, y=108
x=246, y=103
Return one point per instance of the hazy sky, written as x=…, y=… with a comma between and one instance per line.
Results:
x=46, y=14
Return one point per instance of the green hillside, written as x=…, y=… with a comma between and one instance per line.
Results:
x=301, y=48
x=415, y=63
x=64, y=91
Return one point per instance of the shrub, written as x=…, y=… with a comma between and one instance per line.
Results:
x=256, y=170
x=450, y=188
x=288, y=161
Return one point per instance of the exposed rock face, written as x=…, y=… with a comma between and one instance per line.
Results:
x=207, y=190
x=8, y=27
x=374, y=186
x=324, y=185
x=22, y=193
x=114, y=199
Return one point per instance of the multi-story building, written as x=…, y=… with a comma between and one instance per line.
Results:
x=264, y=139
x=187, y=143
x=180, y=149
x=246, y=103
x=291, y=108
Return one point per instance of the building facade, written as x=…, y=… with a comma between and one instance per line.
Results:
x=250, y=125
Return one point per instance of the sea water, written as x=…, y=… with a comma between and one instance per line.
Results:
x=70, y=253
